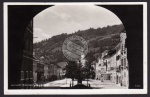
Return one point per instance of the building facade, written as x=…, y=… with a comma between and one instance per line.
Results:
x=113, y=65
x=51, y=71
x=62, y=70
x=26, y=78
x=97, y=70
x=46, y=72
x=40, y=70
x=124, y=62
x=35, y=70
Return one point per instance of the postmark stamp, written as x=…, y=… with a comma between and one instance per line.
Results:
x=74, y=47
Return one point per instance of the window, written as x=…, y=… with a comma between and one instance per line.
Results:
x=122, y=50
x=125, y=62
x=30, y=26
x=31, y=23
x=104, y=64
x=22, y=75
x=122, y=62
x=125, y=51
x=27, y=75
x=30, y=47
x=31, y=74
x=117, y=57
x=111, y=68
x=27, y=45
x=124, y=74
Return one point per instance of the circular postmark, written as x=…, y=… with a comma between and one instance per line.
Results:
x=74, y=48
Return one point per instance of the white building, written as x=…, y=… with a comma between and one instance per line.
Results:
x=97, y=69
x=46, y=72
x=124, y=62
x=82, y=60
x=35, y=70
x=113, y=65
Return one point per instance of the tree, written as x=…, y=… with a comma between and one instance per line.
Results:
x=71, y=70
x=86, y=70
x=75, y=70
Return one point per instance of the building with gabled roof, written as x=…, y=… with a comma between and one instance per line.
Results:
x=116, y=63
x=61, y=69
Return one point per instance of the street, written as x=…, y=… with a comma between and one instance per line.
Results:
x=94, y=84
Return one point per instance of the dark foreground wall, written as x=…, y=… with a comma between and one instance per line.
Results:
x=132, y=18
x=18, y=19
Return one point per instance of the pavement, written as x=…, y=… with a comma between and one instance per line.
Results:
x=94, y=84
x=97, y=84
x=58, y=83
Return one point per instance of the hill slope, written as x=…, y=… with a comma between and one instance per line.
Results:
x=99, y=39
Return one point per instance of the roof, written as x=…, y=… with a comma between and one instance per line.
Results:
x=62, y=64
x=107, y=56
x=57, y=66
x=117, y=47
x=110, y=53
x=46, y=61
x=106, y=51
x=94, y=62
x=36, y=57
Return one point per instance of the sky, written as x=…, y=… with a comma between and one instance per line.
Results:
x=70, y=18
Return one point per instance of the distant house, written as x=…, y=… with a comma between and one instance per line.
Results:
x=35, y=70
x=83, y=61
x=97, y=69
x=51, y=71
x=55, y=67
x=100, y=69
x=59, y=72
x=118, y=63
x=62, y=70
x=46, y=72
x=40, y=69
x=46, y=69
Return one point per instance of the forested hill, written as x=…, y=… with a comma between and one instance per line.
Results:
x=99, y=39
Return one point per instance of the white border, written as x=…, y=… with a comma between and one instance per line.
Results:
x=74, y=91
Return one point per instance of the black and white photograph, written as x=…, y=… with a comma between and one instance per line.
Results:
x=75, y=48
